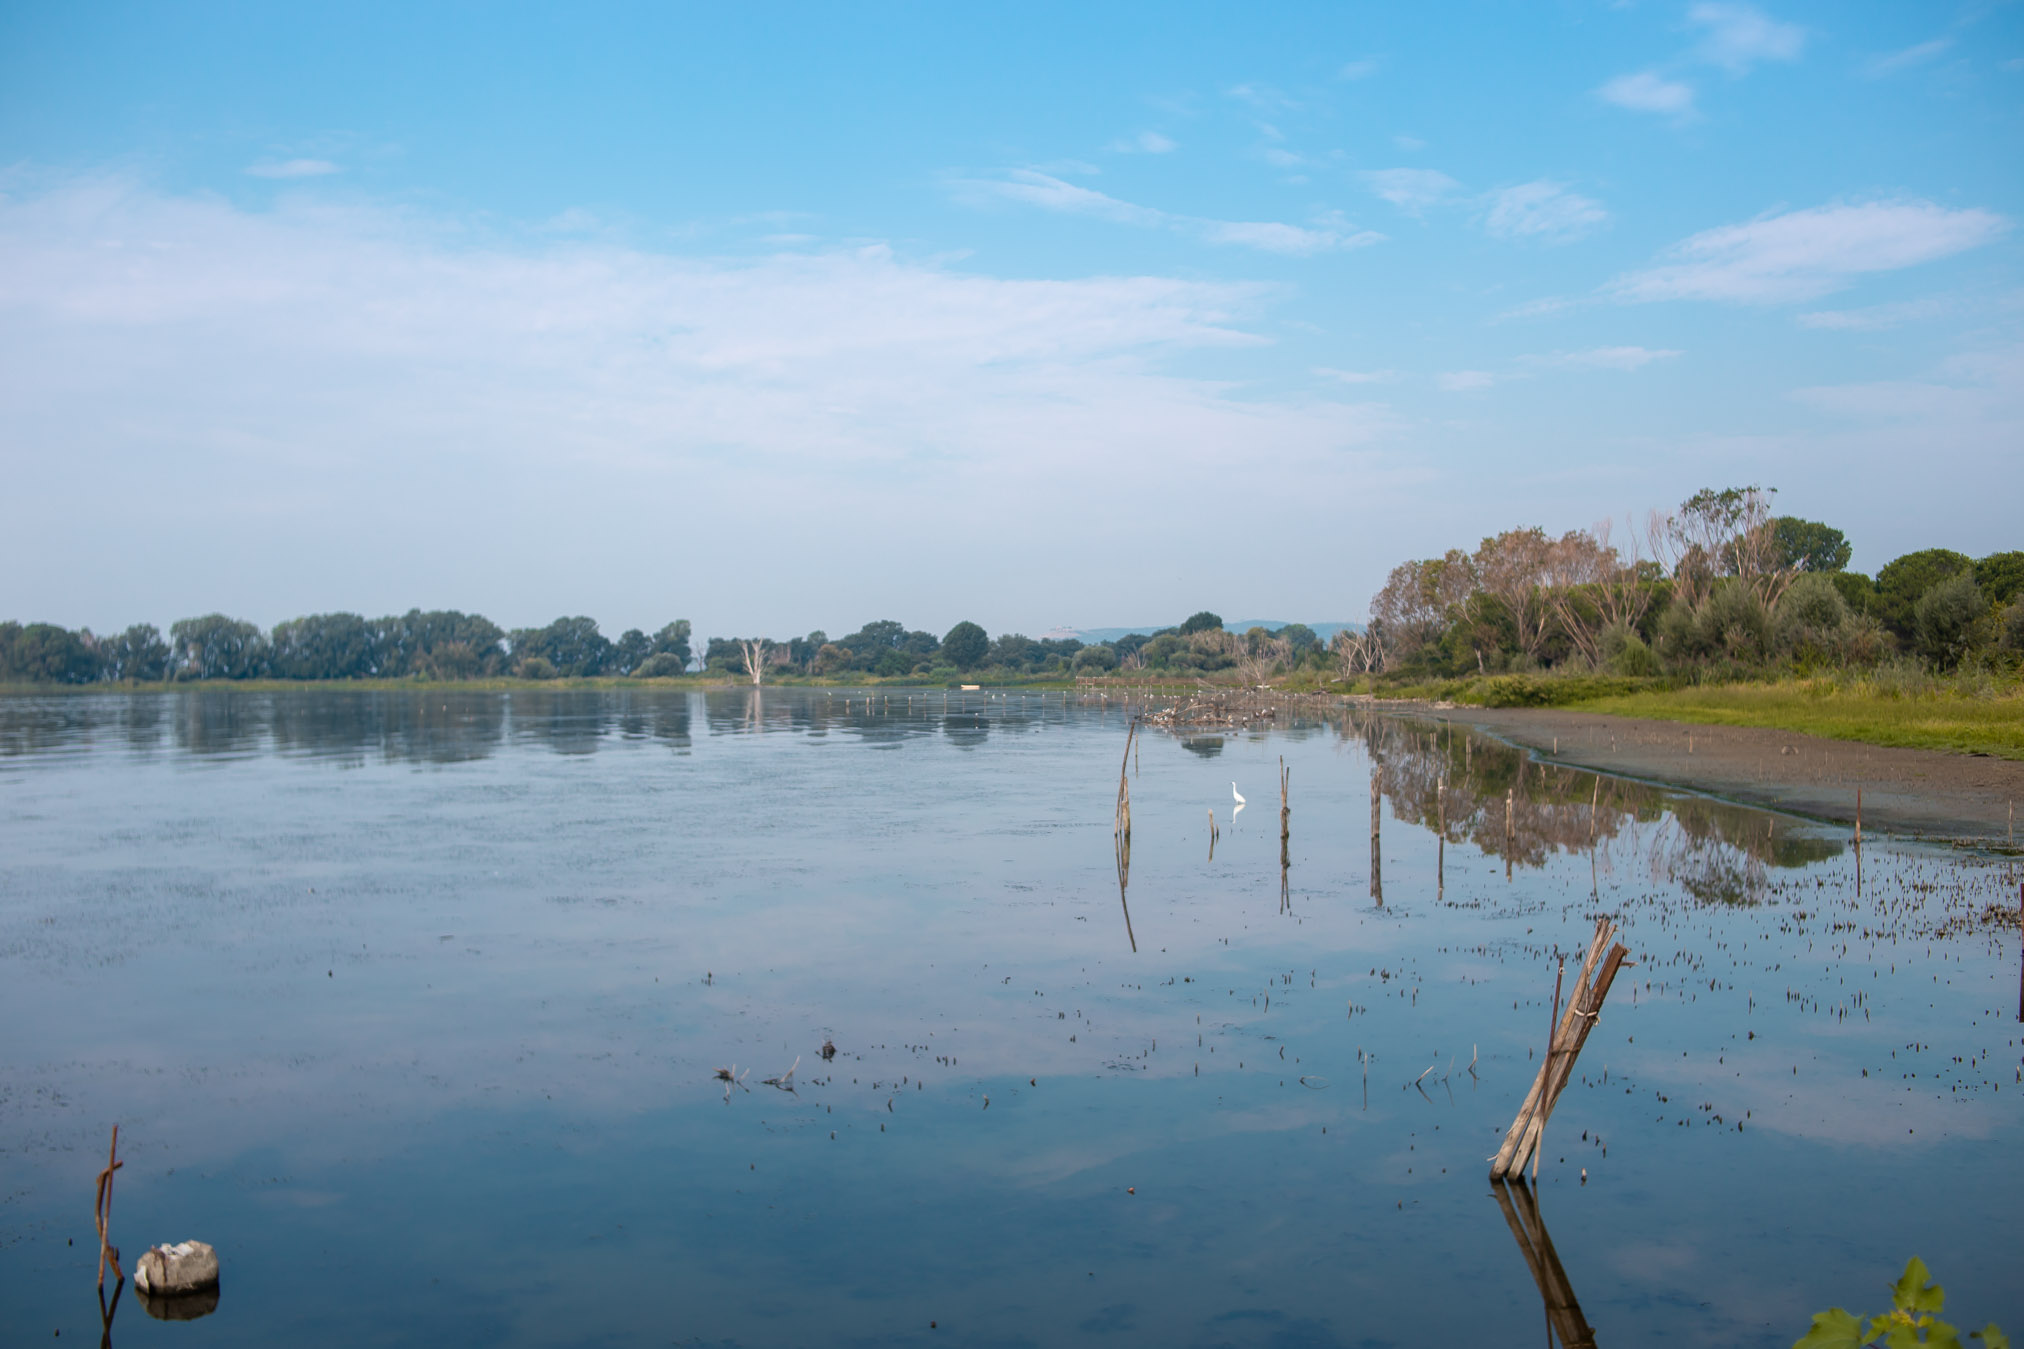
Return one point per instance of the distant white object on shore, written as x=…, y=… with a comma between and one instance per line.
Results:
x=970, y=688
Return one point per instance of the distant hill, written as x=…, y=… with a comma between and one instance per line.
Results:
x=1093, y=636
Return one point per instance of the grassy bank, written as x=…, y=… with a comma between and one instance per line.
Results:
x=1942, y=719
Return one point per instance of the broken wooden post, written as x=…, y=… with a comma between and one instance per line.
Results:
x=102, y=1214
x=1522, y=1140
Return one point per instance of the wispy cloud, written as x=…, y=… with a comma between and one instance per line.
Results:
x=1260, y=96
x=1876, y=317
x=1145, y=143
x=1880, y=67
x=1411, y=190
x=1357, y=376
x=1649, y=91
x=292, y=168
x=1543, y=210
x=1465, y=381
x=1737, y=37
x=1032, y=188
x=1409, y=142
x=1361, y=69
x=1799, y=255
x=281, y=363
x=1604, y=358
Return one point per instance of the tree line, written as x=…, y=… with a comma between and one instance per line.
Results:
x=1721, y=587
x=449, y=645
x=438, y=644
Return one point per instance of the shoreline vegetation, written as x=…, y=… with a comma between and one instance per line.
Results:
x=1718, y=613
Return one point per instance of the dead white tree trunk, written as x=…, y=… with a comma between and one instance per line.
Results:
x=754, y=653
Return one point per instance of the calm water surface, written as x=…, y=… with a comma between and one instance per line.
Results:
x=410, y=1003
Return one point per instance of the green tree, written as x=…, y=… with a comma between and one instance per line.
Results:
x=43, y=653
x=1902, y=583
x=1946, y=619
x=2001, y=576
x=139, y=653
x=1201, y=622
x=573, y=646
x=630, y=651
x=673, y=640
x=1808, y=545
x=323, y=646
x=217, y=647
x=966, y=645
x=1095, y=659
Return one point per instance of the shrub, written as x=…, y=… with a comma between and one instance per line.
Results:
x=2010, y=628
x=1625, y=653
x=1096, y=659
x=1811, y=621
x=1945, y=618
x=664, y=665
x=536, y=667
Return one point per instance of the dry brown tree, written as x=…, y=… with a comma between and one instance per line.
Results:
x=1512, y=569
x=1591, y=587
x=1730, y=533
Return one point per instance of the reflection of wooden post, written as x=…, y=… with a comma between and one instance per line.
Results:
x=1570, y=1032
x=1563, y=1311
x=1441, y=833
x=1376, y=813
x=1858, y=817
x=1510, y=796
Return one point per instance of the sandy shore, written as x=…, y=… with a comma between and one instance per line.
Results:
x=1910, y=791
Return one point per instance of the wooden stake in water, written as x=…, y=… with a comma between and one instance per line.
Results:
x=1570, y=1032
x=102, y=1214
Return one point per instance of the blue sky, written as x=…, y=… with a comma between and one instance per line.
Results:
x=807, y=315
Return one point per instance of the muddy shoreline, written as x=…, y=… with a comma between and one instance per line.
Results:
x=1906, y=791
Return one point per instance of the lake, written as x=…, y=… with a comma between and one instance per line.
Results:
x=412, y=1004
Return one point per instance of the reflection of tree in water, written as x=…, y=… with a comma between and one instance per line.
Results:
x=1715, y=851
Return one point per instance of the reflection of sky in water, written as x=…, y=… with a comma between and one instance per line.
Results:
x=410, y=1003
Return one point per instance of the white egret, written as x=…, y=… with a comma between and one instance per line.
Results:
x=1234, y=792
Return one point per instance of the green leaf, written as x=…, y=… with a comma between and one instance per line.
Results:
x=1902, y=1335
x=1833, y=1329
x=1941, y=1334
x=1992, y=1337
x=1916, y=1292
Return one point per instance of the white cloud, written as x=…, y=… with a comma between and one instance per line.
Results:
x=1411, y=190
x=1409, y=142
x=1606, y=358
x=631, y=410
x=293, y=168
x=1145, y=143
x=1799, y=255
x=1033, y=188
x=1278, y=238
x=1260, y=96
x=1738, y=37
x=1543, y=210
x=1648, y=91
x=1873, y=318
x=1360, y=69
x=1281, y=159
x=1916, y=55
x=1466, y=381
x=1974, y=392
x=1357, y=376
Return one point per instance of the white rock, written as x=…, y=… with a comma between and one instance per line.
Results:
x=182, y=1268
